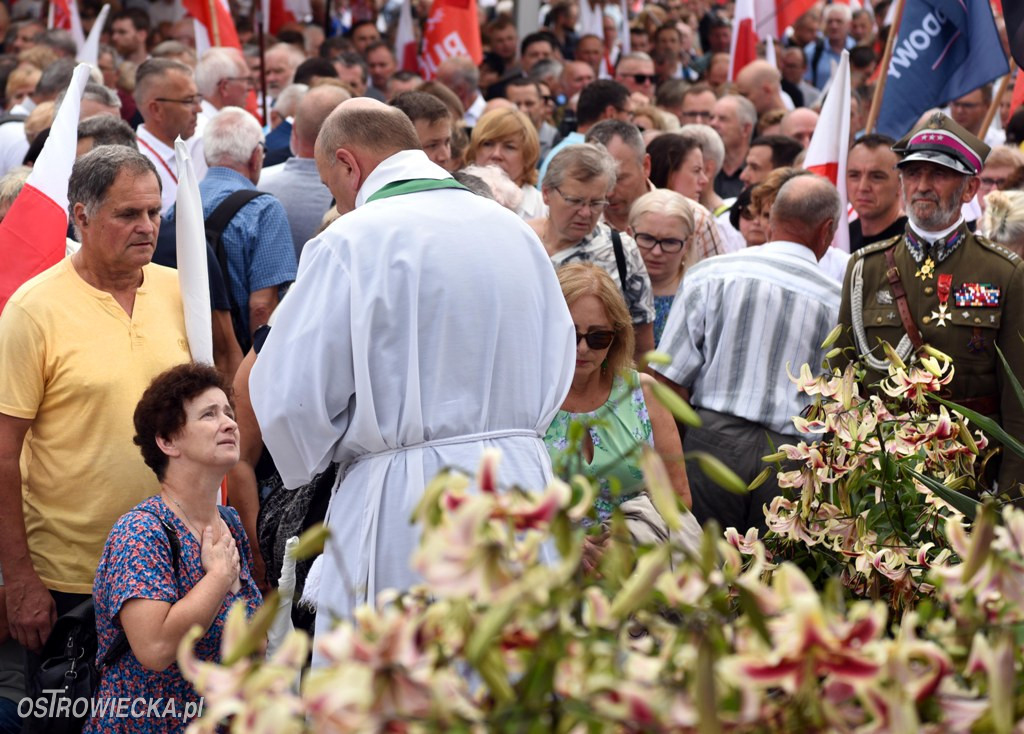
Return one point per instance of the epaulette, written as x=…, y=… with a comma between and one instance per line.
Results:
x=988, y=244
x=877, y=246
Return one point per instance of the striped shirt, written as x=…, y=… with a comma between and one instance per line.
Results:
x=739, y=319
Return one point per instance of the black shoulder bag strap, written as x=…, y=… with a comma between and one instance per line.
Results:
x=215, y=225
x=620, y=259
x=819, y=50
x=12, y=117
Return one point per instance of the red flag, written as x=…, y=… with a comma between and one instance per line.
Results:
x=1018, y=92
x=220, y=28
x=743, y=47
x=279, y=13
x=63, y=14
x=405, y=39
x=775, y=16
x=826, y=153
x=33, y=235
x=452, y=30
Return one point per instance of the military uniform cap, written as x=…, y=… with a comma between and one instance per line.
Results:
x=942, y=141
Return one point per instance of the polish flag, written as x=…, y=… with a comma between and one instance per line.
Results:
x=405, y=39
x=89, y=53
x=826, y=153
x=33, y=235
x=452, y=30
x=64, y=15
x=279, y=13
x=193, y=276
x=217, y=29
x=775, y=16
x=743, y=47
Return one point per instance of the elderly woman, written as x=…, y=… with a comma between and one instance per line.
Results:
x=661, y=223
x=174, y=561
x=507, y=138
x=1004, y=219
x=576, y=187
x=677, y=163
x=614, y=401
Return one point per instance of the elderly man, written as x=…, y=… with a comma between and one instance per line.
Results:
x=281, y=61
x=733, y=118
x=257, y=241
x=399, y=372
x=793, y=65
x=222, y=78
x=940, y=285
x=296, y=182
x=873, y=188
x=760, y=82
x=168, y=101
x=78, y=345
x=525, y=95
x=799, y=124
x=460, y=75
x=823, y=54
x=636, y=71
x=722, y=315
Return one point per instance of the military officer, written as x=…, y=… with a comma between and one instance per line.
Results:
x=939, y=284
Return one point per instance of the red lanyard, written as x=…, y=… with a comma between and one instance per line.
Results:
x=159, y=158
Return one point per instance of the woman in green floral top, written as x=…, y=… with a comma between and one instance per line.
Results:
x=612, y=399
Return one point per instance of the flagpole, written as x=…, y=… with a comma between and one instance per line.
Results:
x=214, y=25
x=997, y=97
x=876, y=100
x=261, y=42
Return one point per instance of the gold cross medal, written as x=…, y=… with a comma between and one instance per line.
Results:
x=945, y=283
x=927, y=269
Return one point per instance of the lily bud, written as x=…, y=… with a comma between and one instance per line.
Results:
x=937, y=354
x=760, y=478
x=965, y=436
x=932, y=365
x=832, y=336
x=833, y=353
x=891, y=355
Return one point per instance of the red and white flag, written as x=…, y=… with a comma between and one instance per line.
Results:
x=89, y=53
x=775, y=16
x=405, y=39
x=63, y=14
x=193, y=275
x=279, y=13
x=743, y=46
x=453, y=29
x=33, y=235
x=214, y=28
x=826, y=153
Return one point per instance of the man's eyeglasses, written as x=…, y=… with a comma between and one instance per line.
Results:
x=643, y=78
x=596, y=339
x=187, y=101
x=244, y=79
x=668, y=244
x=595, y=205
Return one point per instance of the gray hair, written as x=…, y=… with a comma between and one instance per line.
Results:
x=838, y=9
x=460, y=72
x=634, y=56
x=95, y=172
x=96, y=93
x=1004, y=219
x=288, y=100
x=606, y=130
x=56, y=77
x=583, y=162
x=710, y=142
x=745, y=110
x=216, y=64
x=171, y=48
x=546, y=69
x=503, y=189
x=804, y=206
x=59, y=40
x=231, y=136
x=107, y=130
x=11, y=184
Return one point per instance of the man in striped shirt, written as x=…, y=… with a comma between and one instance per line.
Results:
x=736, y=323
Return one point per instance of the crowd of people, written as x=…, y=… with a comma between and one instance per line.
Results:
x=406, y=272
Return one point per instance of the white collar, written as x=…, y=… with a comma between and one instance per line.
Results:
x=795, y=249
x=933, y=237
x=401, y=166
x=158, y=146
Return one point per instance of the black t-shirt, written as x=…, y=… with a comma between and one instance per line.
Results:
x=858, y=240
x=729, y=187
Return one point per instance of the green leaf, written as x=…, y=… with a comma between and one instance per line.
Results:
x=718, y=472
x=958, y=500
x=986, y=424
x=1014, y=382
x=676, y=405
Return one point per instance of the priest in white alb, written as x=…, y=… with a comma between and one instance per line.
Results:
x=425, y=325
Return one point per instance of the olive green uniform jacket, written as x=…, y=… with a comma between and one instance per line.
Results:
x=968, y=333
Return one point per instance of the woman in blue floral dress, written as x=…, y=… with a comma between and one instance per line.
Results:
x=611, y=398
x=186, y=430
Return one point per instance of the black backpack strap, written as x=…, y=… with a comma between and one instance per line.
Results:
x=120, y=644
x=12, y=117
x=620, y=259
x=819, y=50
x=215, y=224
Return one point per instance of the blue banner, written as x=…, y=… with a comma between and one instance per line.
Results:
x=945, y=49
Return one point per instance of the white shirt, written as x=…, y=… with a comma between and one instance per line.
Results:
x=475, y=111
x=834, y=263
x=166, y=163
x=739, y=319
x=414, y=320
x=13, y=145
x=532, y=206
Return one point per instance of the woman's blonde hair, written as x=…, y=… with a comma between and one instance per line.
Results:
x=673, y=204
x=1004, y=219
x=508, y=123
x=583, y=279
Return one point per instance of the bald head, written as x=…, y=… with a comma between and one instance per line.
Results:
x=312, y=111
x=370, y=129
x=799, y=124
x=759, y=82
x=806, y=210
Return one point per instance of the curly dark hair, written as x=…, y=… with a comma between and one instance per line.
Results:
x=161, y=410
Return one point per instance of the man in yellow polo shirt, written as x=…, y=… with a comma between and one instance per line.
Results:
x=78, y=345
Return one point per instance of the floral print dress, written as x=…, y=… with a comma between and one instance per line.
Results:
x=136, y=564
x=619, y=430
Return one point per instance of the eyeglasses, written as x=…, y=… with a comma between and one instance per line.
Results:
x=668, y=244
x=996, y=183
x=643, y=78
x=595, y=205
x=697, y=115
x=187, y=101
x=244, y=79
x=596, y=339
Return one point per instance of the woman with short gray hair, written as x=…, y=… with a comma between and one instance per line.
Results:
x=576, y=187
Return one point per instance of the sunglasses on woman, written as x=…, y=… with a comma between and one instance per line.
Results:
x=596, y=339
